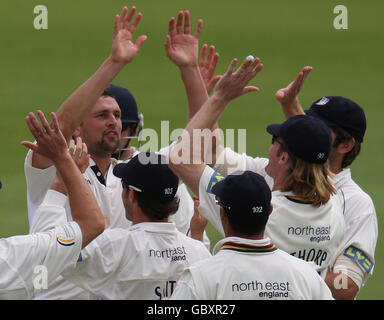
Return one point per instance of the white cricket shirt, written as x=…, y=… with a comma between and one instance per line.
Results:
x=253, y=270
x=309, y=233
x=359, y=241
x=107, y=192
x=142, y=262
x=28, y=262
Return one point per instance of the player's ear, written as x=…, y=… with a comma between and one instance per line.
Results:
x=270, y=210
x=284, y=158
x=346, y=146
x=132, y=195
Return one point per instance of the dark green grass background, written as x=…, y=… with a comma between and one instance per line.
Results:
x=39, y=69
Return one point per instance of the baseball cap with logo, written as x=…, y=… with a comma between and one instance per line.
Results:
x=149, y=174
x=340, y=112
x=247, y=199
x=306, y=137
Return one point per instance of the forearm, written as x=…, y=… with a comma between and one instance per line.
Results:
x=84, y=208
x=195, y=89
x=292, y=109
x=73, y=111
x=184, y=155
x=341, y=286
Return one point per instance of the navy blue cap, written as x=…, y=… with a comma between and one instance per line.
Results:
x=306, y=137
x=148, y=173
x=126, y=102
x=340, y=112
x=245, y=194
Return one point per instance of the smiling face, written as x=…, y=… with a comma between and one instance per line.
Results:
x=101, y=130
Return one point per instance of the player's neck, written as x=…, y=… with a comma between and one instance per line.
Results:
x=335, y=165
x=103, y=162
x=139, y=217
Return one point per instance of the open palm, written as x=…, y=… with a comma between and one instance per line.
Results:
x=181, y=46
x=123, y=49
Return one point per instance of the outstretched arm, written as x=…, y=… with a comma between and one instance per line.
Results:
x=288, y=96
x=184, y=161
x=52, y=145
x=182, y=49
x=73, y=111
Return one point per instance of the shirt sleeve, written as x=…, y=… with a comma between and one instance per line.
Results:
x=230, y=161
x=33, y=261
x=208, y=206
x=38, y=180
x=50, y=213
x=360, y=239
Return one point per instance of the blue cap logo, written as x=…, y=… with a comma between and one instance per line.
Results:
x=323, y=101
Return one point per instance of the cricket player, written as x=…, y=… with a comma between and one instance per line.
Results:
x=347, y=122
x=92, y=113
x=146, y=260
x=52, y=251
x=246, y=265
x=132, y=121
x=307, y=219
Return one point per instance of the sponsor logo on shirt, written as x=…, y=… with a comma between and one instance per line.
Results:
x=266, y=289
x=314, y=234
x=172, y=254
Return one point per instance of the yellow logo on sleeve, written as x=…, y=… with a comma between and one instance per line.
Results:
x=215, y=178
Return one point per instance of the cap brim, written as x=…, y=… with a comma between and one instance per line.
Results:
x=274, y=129
x=120, y=170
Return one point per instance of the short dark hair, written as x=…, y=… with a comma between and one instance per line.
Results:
x=341, y=136
x=157, y=210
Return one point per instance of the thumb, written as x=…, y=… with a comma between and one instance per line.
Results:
x=280, y=95
x=140, y=40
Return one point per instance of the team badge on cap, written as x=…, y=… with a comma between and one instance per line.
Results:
x=323, y=101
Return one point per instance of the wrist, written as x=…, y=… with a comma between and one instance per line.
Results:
x=116, y=64
x=219, y=99
x=63, y=159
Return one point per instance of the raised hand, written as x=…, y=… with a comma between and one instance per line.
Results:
x=123, y=49
x=79, y=153
x=288, y=95
x=207, y=65
x=198, y=221
x=50, y=142
x=234, y=84
x=181, y=46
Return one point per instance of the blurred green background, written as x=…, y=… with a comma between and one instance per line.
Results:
x=41, y=68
